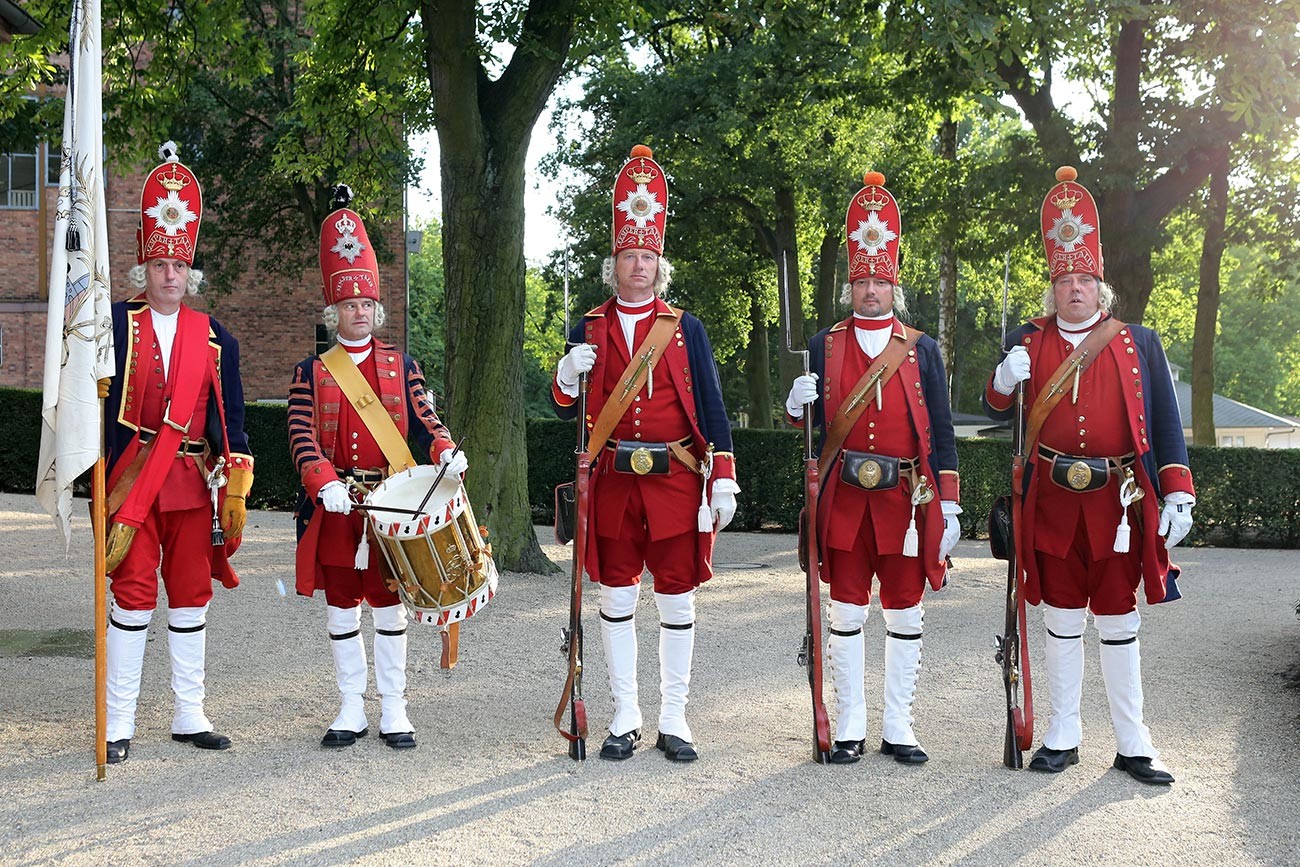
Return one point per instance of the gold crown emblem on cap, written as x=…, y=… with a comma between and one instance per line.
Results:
x=173, y=180
x=345, y=225
x=873, y=199
x=640, y=173
x=1066, y=198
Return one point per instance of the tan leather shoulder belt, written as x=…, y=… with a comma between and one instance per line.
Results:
x=1074, y=365
x=633, y=379
x=889, y=363
x=368, y=405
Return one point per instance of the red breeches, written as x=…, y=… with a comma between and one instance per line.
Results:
x=181, y=543
x=1107, y=585
x=672, y=561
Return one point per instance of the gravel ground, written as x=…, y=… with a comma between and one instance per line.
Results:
x=491, y=782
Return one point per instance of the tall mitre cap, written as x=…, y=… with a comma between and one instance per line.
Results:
x=873, y=227
x=171, y=208
x=1071, y=228
x=348, y=267
x=640, y=203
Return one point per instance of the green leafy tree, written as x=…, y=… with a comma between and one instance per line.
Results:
x=1170, y=87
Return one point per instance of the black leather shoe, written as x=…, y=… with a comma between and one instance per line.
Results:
x=676, y=749
x=1052, y=761
x=619, y=747
x=1139, y=768
x=905, y=753
x=399, y=740
x=341, y=738
x=847, y=752
x=119, y=751
x=205, y=740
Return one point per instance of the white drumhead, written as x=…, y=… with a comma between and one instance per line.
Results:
x=405, y=490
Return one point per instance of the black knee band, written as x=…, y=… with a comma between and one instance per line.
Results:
x=390, y=632
x=605, y=617
x=901, y=637
x=345, y=636
x=125, y=628
x=845, y=633
x=1064, y=637
x=690, y=625
x=184, y=629
x=1118, y=641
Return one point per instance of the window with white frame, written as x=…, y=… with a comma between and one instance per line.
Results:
x=18, y=173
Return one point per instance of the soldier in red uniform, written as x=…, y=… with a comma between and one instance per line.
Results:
x=333, y=444
x=890, y=489
x=663, y=478
x=1104, y=441
x=175, y=436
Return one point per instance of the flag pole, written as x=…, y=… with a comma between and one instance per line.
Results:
x=99, y=526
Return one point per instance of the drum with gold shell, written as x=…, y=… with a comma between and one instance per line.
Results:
x=440, y=560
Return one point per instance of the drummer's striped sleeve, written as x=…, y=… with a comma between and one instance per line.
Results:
x=430, y=433
x=313, y=467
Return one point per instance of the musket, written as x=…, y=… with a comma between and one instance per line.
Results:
x=1013, y=645
x=571, y=638
x=810, y=650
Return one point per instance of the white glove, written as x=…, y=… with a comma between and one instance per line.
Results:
x=334, y=497
x=456, y=463
x=723, y=506
x=802, y=391
x=951, y=528
x=1013, y=369
x=1176, y=517
x=580, y=359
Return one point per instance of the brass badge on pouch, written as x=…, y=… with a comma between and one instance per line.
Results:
x=869, y=474
x=642, y=461
x=1079, y=475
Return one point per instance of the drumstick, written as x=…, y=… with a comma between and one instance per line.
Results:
x=443, y=472
x=362, y=507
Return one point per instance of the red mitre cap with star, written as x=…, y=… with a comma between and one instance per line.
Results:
x=640, y=203
x=873, y=226
x=171, y=207
x=348, y=266
x=1071, y=228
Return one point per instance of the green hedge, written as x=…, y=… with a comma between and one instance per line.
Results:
x=1245, y=497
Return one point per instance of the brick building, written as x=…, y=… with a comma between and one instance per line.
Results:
x=277, y=326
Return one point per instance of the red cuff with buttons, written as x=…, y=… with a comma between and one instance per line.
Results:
x=317, y=475
x=1176, y=477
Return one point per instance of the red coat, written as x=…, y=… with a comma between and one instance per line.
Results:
x=915, y=422
x=686, y=401
x=1126, y=404
x=318, y=414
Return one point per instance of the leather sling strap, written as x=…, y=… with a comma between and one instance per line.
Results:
x=881, y=372
x=187, y=376
x=368, y=405
x=1083, y=356
x=633, y=379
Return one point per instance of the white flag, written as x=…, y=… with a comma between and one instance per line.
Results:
x=79, y=331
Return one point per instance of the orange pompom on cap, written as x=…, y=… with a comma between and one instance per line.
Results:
x=1067, y=173
x=873, y=179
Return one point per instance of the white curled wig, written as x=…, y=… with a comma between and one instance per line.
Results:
x=193, y=280
x=1105, y=298
x=663, y=277
x=331, y=316
x=900, y=299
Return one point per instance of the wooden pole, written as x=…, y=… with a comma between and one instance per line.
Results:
x=99, y=525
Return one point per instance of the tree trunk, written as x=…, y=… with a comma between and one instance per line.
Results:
x=1207, y=309
x=483, y=131
x=758, y=371
x=948, y=255
x=828, y=258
